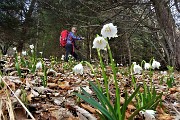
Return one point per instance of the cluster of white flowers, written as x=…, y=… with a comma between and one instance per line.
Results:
x=137, y=69
x=108, y=31
x=100, y=42
x=24, y=52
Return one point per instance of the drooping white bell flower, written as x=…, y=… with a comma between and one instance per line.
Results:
x=156, y=64
x=41, y=53
x=147, y=66
x=109, y=30
x=62, y=57
x=32, y=51
x=24, y=53
x=31, y=46
x=137, y=69
x=78, y=69
x=39, y=65
x=14, y=48
x=149, y=115
x=99, y=42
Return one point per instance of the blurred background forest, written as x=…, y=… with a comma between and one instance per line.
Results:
x=146, y=28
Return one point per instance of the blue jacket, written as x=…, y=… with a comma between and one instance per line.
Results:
x=71, y=38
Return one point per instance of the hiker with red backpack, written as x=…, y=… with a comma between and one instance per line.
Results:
x=67, y=40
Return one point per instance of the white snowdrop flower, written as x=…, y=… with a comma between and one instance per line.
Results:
x=147, y=66
x=156, y=64
x=109, y=30
x=137, y=69
x=99, y=42
x=163, y=72
x=134, y=63
x=39, y=65
x=14, y=48
x=24, y=53
x=62, y=57
x=31, y=46
x=32, y=51
x=117, y=64
x=149, y=115
x=78, y=69
x=41, y=53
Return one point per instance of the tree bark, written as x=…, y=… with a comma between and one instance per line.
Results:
x=168, y=31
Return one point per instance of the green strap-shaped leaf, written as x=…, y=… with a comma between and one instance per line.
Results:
x=104, y=99
x=96, y=105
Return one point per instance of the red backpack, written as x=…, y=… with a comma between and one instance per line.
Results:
x=63, y=37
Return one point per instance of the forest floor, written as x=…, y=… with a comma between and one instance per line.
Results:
x=58, y=102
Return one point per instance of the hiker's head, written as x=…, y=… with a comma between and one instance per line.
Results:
x=74, y=29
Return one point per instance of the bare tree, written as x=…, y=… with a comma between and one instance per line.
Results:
x=168, y=31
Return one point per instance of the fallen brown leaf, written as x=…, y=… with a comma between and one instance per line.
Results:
x=73, y=118
x=172, y=90
x=122, y=100
x=88, y=108
x=131, y=107
x=52, y=85
x=165, y=117
x=29, y=97
x=64, y=85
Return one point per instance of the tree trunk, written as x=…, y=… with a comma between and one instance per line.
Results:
x=168, y=31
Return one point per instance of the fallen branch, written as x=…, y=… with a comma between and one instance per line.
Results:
x=18, y=99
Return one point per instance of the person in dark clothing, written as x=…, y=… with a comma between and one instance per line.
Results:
x=70, y=45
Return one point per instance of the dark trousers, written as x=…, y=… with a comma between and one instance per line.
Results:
x=69, y=50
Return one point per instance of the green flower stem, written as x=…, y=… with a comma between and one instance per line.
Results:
x=115, y=79
x=144, y=84
x=143, y=61
x=104, y=75
x=89, y=64
x=151, y=74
